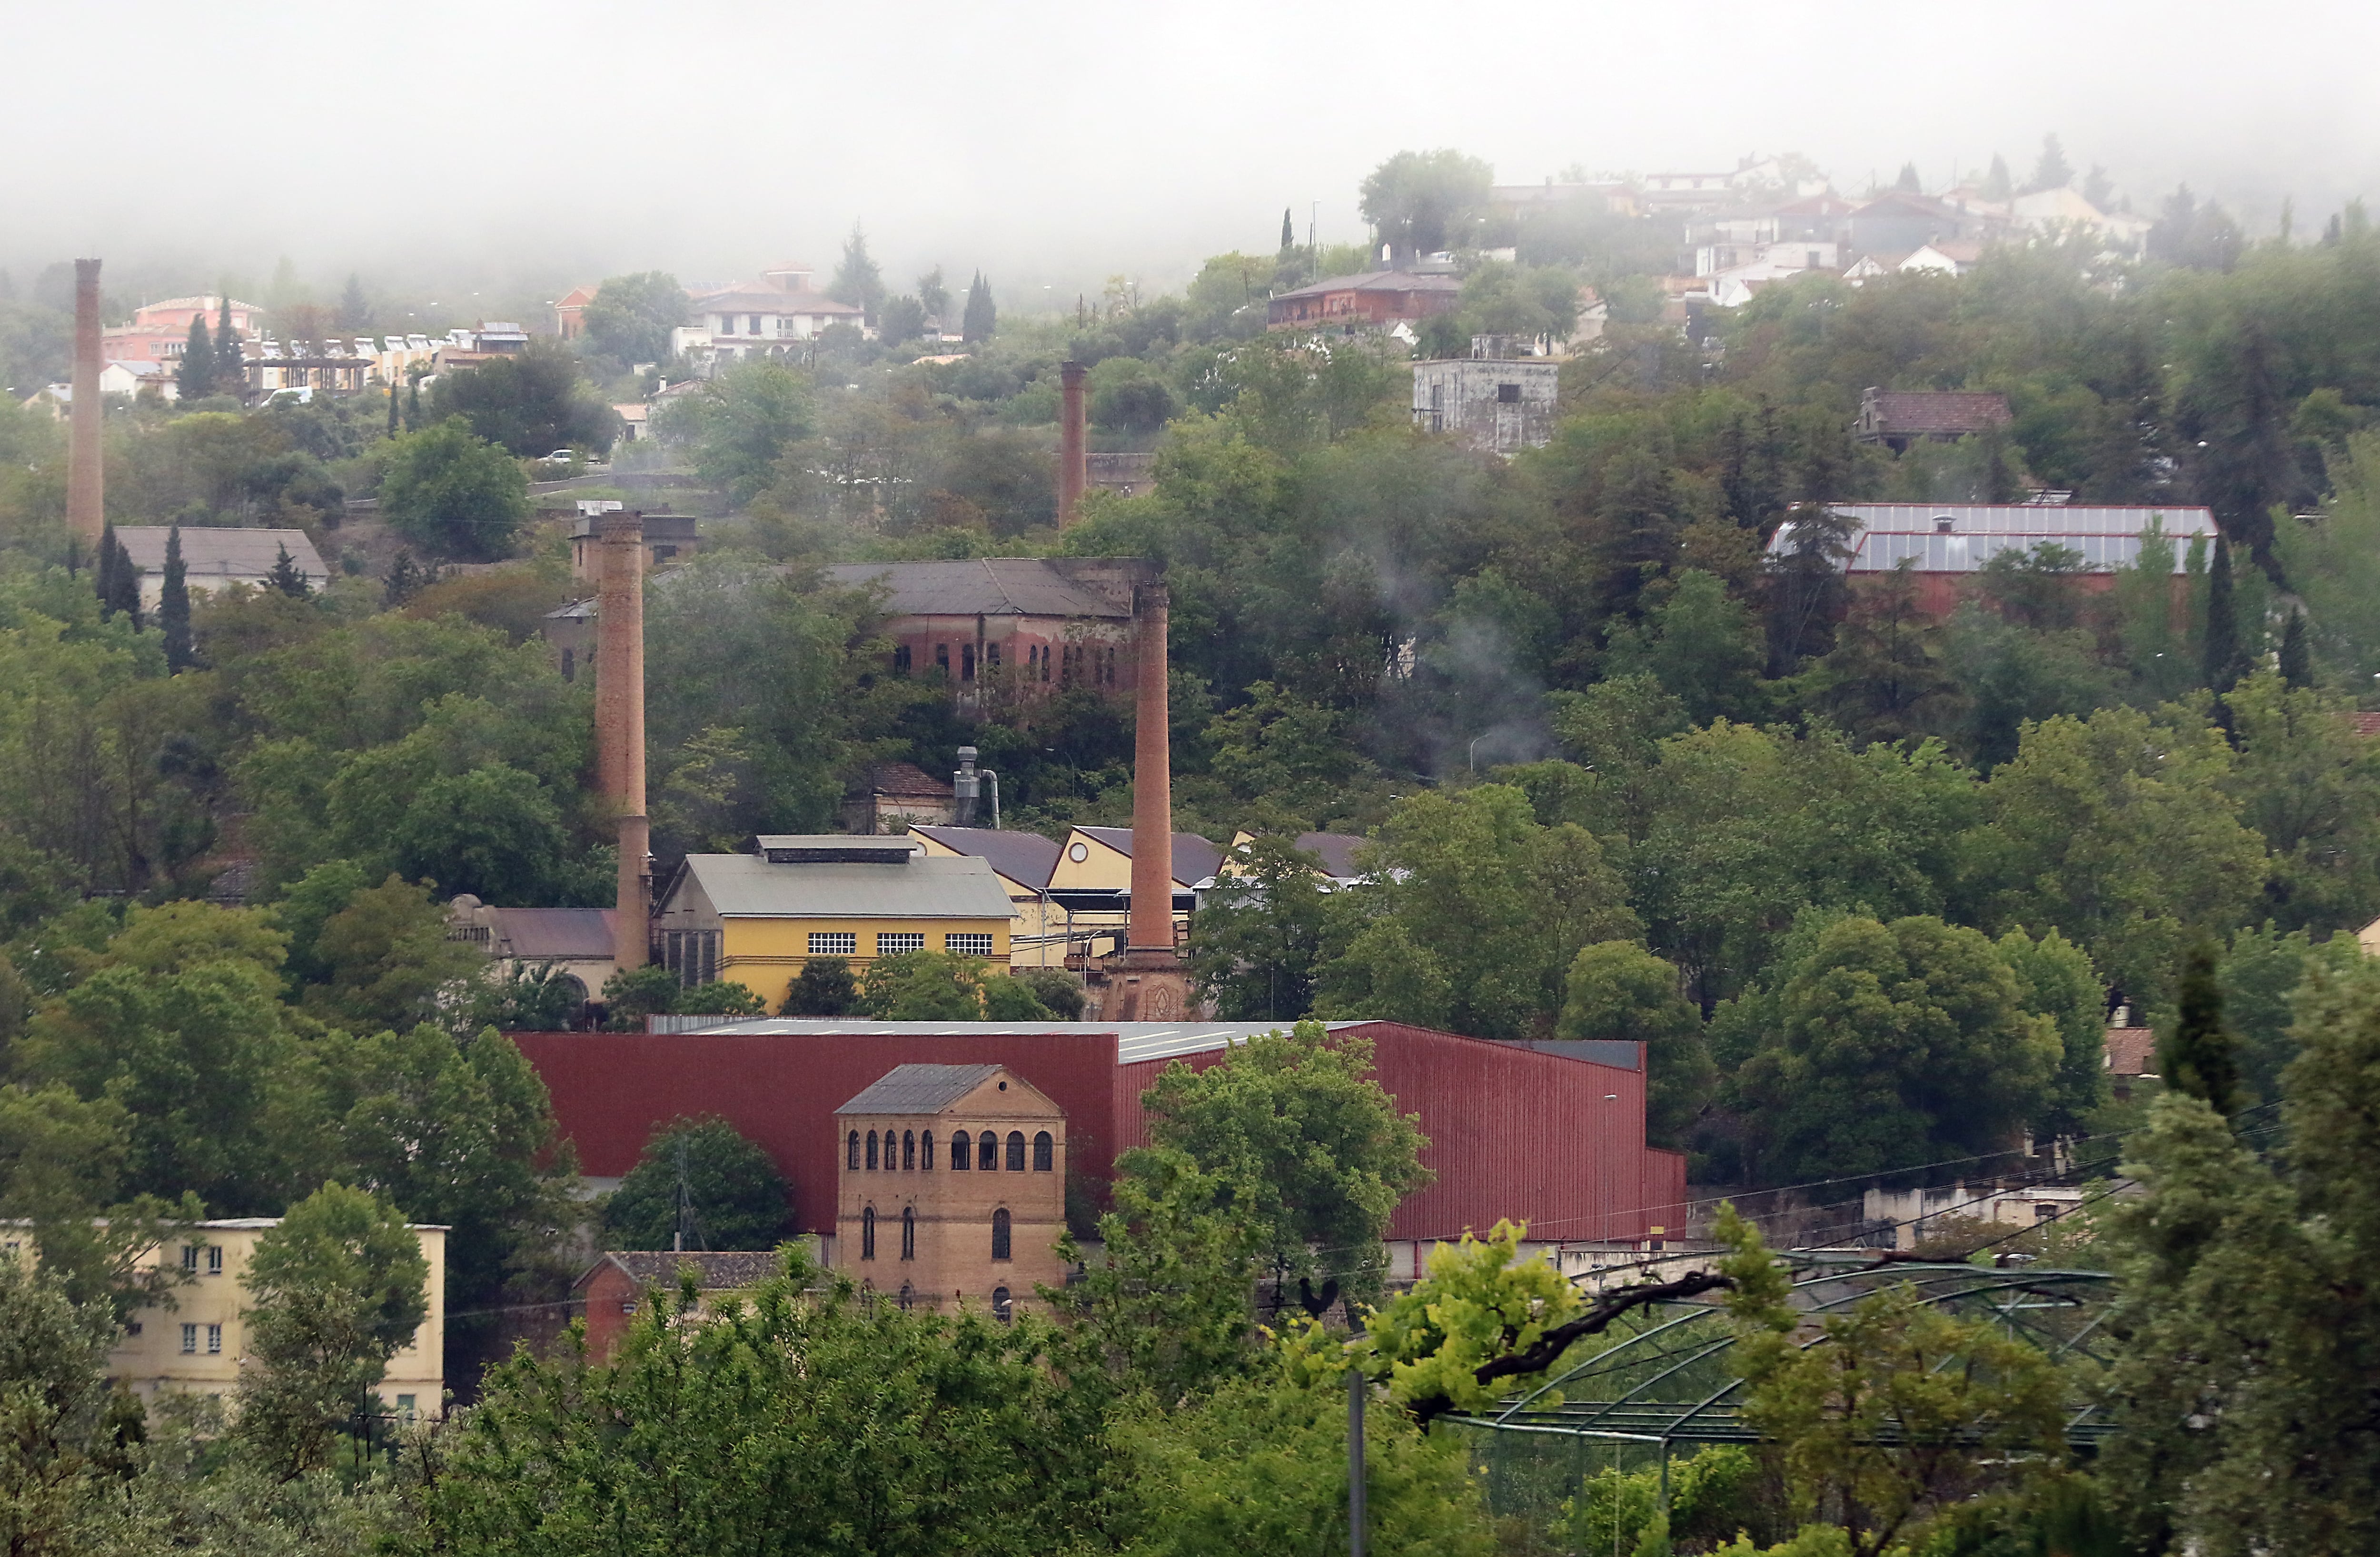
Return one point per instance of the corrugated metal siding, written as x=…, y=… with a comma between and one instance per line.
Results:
x=1515, y=1133
x=611, y=1090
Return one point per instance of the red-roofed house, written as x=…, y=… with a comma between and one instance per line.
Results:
x=1378, y=298
x=1899, y=418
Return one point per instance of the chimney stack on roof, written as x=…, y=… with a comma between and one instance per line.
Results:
x=86, y=508
x=1152, y=781
x=620, y=723
x=1074, y=443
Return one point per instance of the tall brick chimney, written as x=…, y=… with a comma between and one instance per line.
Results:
x=1152, y=780
x=620, y=722
x=1074, y=442
x=86, y=509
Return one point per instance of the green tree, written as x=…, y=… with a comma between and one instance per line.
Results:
x=2116, y=830
x=922, y=986
x=721, y=998
x=824, y=988
x=980, y=318
x=355, y=309
x=2055, y=979
x=630, y=994
x=2247, y=1331
x=735, y=427
x=287, y=577
x=2296, y=659
x=1895, y=1045
x=903, y=321
x=1886, y=678
x=1261, y=932
x=531, y=403
x=174, y=604
x=1423, y=202
x=2310, y=787
x=1472, y=916
x=1998, y=183
x=338, y=1286
x=1260, y=1465
x=62, y=1160
x=934, y=296
x=631, y=316
x=453, y=495
x=857, y=281
x=62, y=1460
x=1616, y=991
x=385, y=960
x=2052, y=171
x=1303, y=1145
x=915, y=1435
x=1702, y=646
x=1899, y=1412
x=194, y=376
x=2221, y=664
x=2197, y=1055
x=734, y=1195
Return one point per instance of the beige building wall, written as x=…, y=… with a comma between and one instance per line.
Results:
x=953, y=1265
x=196, y=1346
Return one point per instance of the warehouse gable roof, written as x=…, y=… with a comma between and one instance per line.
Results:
x=750, y=887
x=919, y=1089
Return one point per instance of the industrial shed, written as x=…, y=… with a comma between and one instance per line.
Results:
x=1552, y=1134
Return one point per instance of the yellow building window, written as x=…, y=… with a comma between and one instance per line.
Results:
x=833, y=943
x=894, y=943
x=967, y=943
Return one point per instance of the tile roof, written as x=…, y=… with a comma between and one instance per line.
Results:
x=222, y=550
x=907, y=779
x=747, y=886
x=719, y=1270
x=982, y=586
x=2365, y=723
x=2131, y=1051
x=1337, y=849
x=1194, y=859
x=919, y=1089
x=1025, y=858
x=747, y=298
x=1941, y=410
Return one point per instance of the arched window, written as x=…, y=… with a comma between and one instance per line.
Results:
x=908, y=1150
x=1045, y=1152
x=1000, y=1240
x=926, y=1152
x=986, y=1151
x=1016, y=1151
x=1003, y=1308
x=852, y=1159
x=868, y=1233
x=960, y=1155
x=909, y=1232
x=871, y=1149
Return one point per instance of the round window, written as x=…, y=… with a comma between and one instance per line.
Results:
x=1079, y=852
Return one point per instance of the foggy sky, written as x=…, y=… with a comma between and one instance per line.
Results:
x=1052, y=142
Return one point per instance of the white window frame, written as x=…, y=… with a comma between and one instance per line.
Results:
x=834, y=943
x=897, y=943
x=190, y=1340
x=967, y=943
x=215, y=1340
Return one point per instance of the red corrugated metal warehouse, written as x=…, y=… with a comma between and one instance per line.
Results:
x=1552, y=1134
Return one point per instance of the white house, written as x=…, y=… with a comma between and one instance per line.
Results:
x=215, y=556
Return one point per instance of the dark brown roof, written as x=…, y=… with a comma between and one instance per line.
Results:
x=1338, y=850
x=2366, y=724
x=907, y=779
x=982, y=586
x=718, y=1270
x=1940, y=410
x=1025, y=858
x=2131, y=1051
x=919, y=1089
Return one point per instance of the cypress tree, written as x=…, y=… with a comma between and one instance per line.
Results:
x=980, y=318
x=2197, y=1056
x=2297, y=659
x=230, y=379
x=285, y=576
x=2221, y=664
x=196, y=376
x=1288, y=231
x=413, y=405
x=104, y=580
x=174, y=606
x=122, y=584
x=391, y=410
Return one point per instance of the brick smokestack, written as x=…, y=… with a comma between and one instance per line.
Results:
x=1152, y=780
x=86, y=508
x=1074, y=442
x=620, y=721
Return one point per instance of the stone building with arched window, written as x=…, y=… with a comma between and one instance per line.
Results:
x=951, y=1187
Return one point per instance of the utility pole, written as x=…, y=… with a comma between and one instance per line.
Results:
x=1356, y=1387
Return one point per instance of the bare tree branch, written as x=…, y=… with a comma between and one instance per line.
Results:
x=1546, y=1350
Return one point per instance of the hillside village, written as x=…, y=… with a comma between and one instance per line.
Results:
x=1709, y=841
